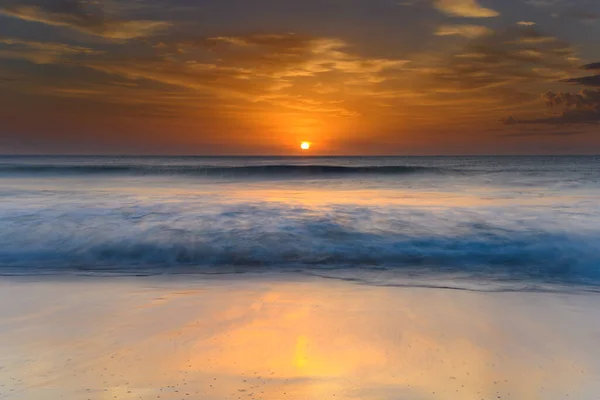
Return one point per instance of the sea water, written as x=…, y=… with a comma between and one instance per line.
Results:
x=485, y=223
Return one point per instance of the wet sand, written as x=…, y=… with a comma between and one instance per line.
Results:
x=295, y=338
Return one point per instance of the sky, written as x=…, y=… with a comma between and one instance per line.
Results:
x=258, y=77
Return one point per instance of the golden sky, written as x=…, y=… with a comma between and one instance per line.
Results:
x=260, y=76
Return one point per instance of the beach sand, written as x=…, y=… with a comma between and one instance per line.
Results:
x=290, y=337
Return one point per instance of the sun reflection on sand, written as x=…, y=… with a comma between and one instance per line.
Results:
x=298, y=340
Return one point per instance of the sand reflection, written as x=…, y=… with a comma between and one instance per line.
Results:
x=268, y=339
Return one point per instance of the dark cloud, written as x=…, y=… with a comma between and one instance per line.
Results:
x=575, y=108
x=583, y=100
x=592, y=66
x=543, y=134
x=571, y=117
x=509, y=120
x=82, y=15
x=592, y=80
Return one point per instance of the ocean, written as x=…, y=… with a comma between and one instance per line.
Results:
x=476, y=223
x=363, y=278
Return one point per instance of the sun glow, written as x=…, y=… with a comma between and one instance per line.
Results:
x=305, y=145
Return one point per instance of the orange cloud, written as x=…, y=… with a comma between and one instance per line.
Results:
x=465, y=8
x=468, y=31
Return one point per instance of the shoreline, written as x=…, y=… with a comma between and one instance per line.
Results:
x=387, y=279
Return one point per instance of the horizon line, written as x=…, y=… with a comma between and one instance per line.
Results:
x=299, y=155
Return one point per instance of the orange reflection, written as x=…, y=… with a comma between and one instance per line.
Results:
x=268, y=339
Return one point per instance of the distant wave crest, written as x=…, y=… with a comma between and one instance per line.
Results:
x=253, y=170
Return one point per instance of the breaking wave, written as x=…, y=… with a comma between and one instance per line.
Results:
x=263, y=237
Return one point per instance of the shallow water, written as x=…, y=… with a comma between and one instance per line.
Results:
x=275, y=337
x=484, y=223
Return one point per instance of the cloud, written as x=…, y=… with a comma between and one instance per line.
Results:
x=592, y=80
x=39, y=52
x=82, y=16
x=543, y=134
x=575, y=108
x=493, y=75
x=531, y=36
x=526, y=23
x=468, y=31
x=509, y=120
x=583, y=15
x=571, y=9
x=464, y=8
x=592, y=66
x=8, y=79
x=295, y=55
x=585, y=99
x=274, y=73
x=284, y=70
x=287, y=56
x=543, y=3
x=514, y=57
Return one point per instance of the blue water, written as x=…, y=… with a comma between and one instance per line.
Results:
x=497, y=222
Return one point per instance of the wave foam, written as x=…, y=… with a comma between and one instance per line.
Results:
x=247, y=237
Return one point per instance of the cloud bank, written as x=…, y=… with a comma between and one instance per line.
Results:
x=575, y=108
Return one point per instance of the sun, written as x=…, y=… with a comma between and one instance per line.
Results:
x=305, y=145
